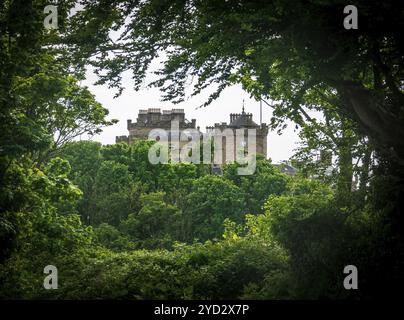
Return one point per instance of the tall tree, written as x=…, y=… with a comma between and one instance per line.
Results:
x=42, y=107
x=210, y=201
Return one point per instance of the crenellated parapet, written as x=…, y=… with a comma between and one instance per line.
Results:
x=155, y=118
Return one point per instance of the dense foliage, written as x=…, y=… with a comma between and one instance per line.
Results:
x=116, y=235
x=117, y=226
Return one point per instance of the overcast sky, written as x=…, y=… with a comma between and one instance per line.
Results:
x=128, y=104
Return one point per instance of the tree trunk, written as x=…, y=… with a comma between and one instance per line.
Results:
x=344, y=182
x=384, y=127
x=364, y=173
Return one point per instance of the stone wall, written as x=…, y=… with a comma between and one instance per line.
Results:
x=153, y=118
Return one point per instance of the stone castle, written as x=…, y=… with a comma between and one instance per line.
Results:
x=244, y=120
x=154, y=118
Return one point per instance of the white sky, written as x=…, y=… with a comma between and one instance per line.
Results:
x=128, y=104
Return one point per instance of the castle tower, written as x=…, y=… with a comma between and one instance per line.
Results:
x=243, y=120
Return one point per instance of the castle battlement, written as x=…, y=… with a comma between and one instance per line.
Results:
x=155, y=118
